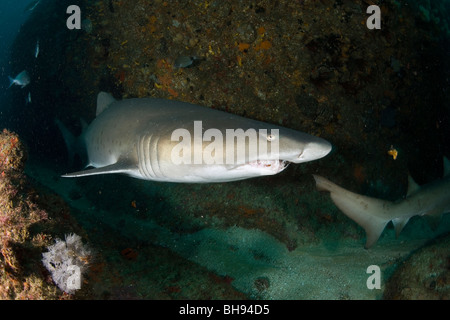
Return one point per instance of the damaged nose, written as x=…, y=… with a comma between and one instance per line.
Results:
x=322, y=148
x=315, y=150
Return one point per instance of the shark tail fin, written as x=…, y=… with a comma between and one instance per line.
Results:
x=74, y=144
x=368, y=212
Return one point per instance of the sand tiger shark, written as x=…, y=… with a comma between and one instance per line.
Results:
x=173, y=141
x=373, y=214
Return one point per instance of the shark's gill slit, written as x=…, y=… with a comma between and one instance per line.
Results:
x=141, y=157
x=153, y=161
x=144, y=157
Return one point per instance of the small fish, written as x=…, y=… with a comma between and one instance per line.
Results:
x=36, y=51
x=185, y=61
x=32, y=5
x=28, y=98
x=22, y=79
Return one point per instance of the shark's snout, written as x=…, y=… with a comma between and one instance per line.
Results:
x=314, y=150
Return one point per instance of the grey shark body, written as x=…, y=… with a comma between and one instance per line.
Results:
x=137, y=137
x=432, y=199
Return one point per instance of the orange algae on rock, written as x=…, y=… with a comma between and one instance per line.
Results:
x=24, y=228
x=265, y=45
x=17, y=214
x=243, y=46
x=12, y=154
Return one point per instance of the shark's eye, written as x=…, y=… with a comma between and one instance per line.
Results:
x=271, y=137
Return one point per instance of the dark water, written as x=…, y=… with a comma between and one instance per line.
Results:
x=12, y=16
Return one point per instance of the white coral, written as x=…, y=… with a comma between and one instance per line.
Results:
x=67, y=261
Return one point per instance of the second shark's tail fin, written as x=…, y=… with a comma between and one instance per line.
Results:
x=370, y=213
x=74, y=144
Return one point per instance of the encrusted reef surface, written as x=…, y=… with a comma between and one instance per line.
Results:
x=24, y=227
x=312, y=66
x=425, y=275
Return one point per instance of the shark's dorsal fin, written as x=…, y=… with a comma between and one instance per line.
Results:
x=446, y=166
x=412, y=186
x=121, y=166
x=104, y=100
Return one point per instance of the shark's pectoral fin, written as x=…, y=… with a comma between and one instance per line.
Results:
x=122, y=166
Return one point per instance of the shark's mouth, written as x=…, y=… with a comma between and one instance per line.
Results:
x=273, y=165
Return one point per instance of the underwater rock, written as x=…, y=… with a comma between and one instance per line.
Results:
x=86, y=25
x=12, y=153
x=18, y=213
x=424, y=275
x=28, y=217
x=262, y=284
x=246, y=33
x=307, y=104
x=320, y=113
